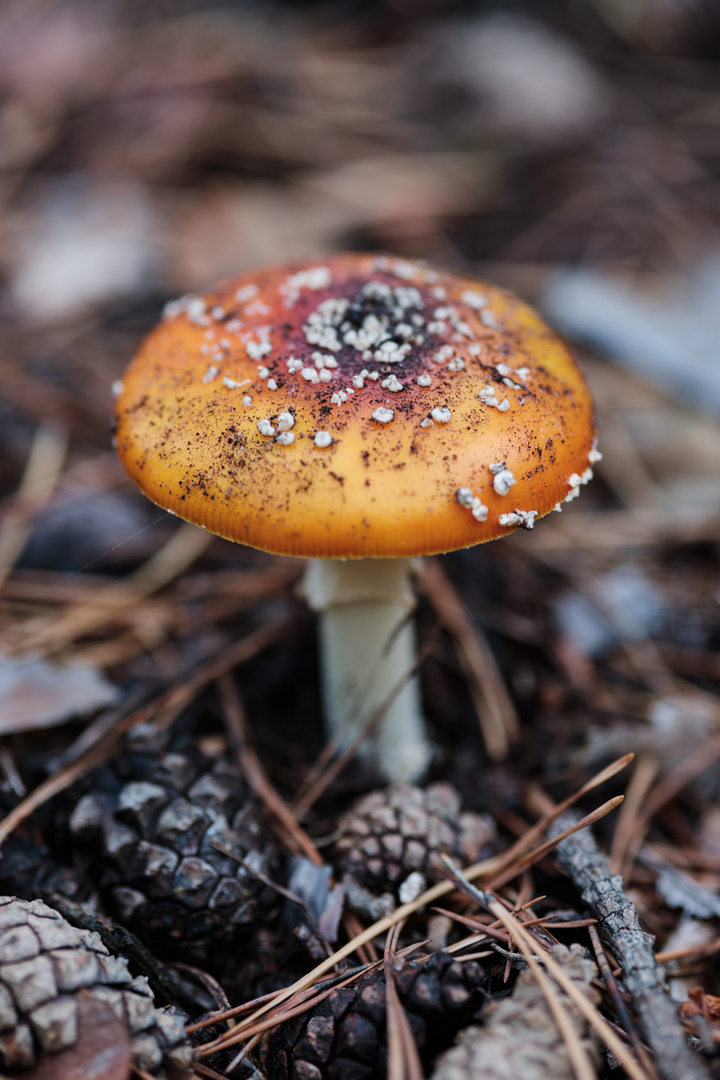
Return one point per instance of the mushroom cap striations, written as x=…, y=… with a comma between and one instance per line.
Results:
x=362, y=405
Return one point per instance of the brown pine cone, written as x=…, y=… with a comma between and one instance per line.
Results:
x=49, y=971
x=345, y=1038
x=519, y=1036
x=161, y=873
x=390, y=835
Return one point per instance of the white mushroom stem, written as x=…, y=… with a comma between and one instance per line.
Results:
x=367, y=647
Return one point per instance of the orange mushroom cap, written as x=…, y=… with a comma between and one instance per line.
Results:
x=362, y=405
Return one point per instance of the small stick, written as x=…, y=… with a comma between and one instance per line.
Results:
x=620, y=928
x=618, y=1003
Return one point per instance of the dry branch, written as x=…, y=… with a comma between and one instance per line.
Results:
x=620, y=929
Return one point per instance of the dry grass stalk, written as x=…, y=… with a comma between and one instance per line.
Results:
x=526, y=944
x=537, y=830
x=672, y=784
x=486, y=932
x=206, y=1072
x=281, y=817
x=288, y=1011
x=330, y=762
x=616, y=530
x=579, y=1058
x=403, y=1058
x=42, y=472
x=620, y=928
x=629, y=833
x=685, y=954
x=540, y=852
x=367, y=953
x=223, y=1015
x=176, y=697
x=621, y=1009
x=495, y=710
x=591, y=1014
x=180, y=551
x=246, y=1050
x=279, y=813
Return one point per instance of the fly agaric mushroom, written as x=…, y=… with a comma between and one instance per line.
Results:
x=358, y=411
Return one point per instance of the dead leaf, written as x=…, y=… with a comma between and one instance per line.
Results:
x=103, y=1050
x=36, y=693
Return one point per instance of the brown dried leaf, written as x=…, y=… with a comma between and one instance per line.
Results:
x=700, y=1004
x=102, y=1052
x=37, y=693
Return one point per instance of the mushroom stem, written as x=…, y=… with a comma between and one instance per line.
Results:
x=367, y=645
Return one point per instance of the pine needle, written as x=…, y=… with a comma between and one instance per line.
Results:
x=516, y=930
x=484, y=868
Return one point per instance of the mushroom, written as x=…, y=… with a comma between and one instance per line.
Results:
x=358, y=412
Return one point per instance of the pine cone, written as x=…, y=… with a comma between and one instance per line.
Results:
x=28, y=870
x=48, y=970
x=344, y=1038
x=390, y=835
x=161, y=873
x=520, y=1037
x=36, y=859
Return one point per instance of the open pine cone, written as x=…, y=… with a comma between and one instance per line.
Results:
x=51, y=972
x=345, y=1037
x=389, y=835
x=519, y=1036
x=154, y=839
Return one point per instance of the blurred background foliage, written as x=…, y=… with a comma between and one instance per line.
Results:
x=568, y=149
x=149, y=147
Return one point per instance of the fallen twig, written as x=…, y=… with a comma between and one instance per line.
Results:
x=621, y=1009
x=620, y=929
